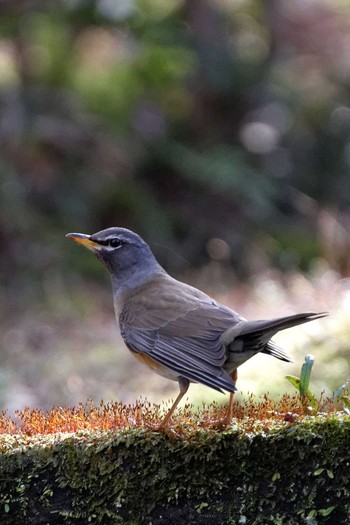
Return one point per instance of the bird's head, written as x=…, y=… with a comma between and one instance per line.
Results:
x=126, y=256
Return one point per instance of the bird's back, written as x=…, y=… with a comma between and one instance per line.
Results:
x=162, y=300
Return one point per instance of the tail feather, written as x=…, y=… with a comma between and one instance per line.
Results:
x=276, y=351
x=272, y=326
x=256, y=335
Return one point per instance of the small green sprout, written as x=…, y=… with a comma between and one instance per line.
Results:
x=342, y=395
x=302, y=384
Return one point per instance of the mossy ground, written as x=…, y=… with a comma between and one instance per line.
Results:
x=284, y=467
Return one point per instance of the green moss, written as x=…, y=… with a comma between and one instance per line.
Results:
x=294, y=474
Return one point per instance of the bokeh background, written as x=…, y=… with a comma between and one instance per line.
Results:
x=219, y=130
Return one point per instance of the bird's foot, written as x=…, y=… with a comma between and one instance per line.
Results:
x=218, y=424
x=166, y=428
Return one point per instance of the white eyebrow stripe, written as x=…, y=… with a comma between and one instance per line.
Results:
x=104, y=244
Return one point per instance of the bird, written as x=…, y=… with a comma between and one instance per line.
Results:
x=175, y=329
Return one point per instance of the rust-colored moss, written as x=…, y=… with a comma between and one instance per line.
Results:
x=251, y=414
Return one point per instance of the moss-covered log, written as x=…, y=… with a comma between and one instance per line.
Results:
x=295, y=474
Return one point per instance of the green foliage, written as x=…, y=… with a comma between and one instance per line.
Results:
x=197, y=106
x=308, y=399
x=341, y=395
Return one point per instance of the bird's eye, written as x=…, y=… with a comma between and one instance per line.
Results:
x=115, y=243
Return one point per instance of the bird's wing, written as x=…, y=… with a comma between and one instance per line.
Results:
x=180, y=329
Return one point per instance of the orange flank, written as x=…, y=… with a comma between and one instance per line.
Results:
x=147, y=360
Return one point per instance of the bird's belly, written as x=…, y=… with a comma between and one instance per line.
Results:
x=155, y=366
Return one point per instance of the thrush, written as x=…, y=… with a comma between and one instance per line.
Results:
x=175, y=329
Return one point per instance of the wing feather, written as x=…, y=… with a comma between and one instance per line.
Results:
x=183, y=335
x=184, y=364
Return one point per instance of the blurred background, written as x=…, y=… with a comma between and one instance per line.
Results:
x=219, y=130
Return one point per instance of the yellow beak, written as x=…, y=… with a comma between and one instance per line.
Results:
x=82, y=238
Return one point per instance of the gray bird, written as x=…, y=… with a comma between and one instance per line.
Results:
x=178, y=331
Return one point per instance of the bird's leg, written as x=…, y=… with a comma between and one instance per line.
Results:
x=226, y=420
x=228, y=417
x=183, y=385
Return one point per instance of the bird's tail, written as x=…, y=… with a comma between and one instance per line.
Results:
x=259, y=333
